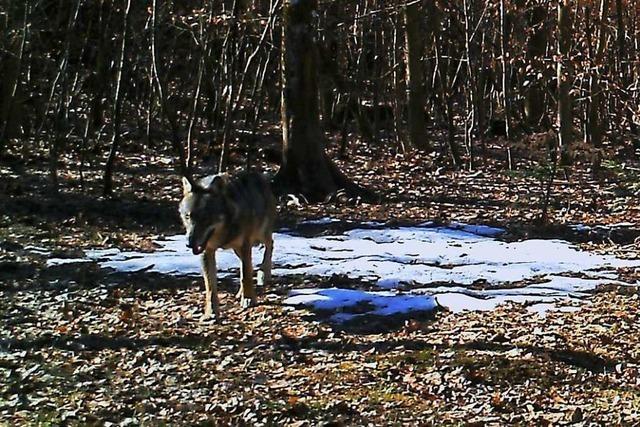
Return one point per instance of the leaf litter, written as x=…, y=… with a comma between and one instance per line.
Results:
x=83, y=345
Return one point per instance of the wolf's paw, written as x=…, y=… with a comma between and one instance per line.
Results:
x=263, y=279
x=248, y=302
x=210, y=317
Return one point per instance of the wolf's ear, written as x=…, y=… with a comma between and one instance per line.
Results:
x=216, y=183
x=186, y=185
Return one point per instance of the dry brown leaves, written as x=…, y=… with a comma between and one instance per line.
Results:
x=80, y=346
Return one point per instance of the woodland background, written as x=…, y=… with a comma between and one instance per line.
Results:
x=521, y=114
x=88, y=79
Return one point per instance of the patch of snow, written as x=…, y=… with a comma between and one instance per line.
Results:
x=622, y=225
x=572, y=284
x=580, y=228
x=601, y=274
x=462, y=255
x=51, y=262
x=555, y=288
x=542, y=308
x=380, y=303
x=460, y=301
x=173, y=257
x=37, y=249
x=480, y=230
x=427, y=224
x=372, y=223
x=320, y=221
x=389, y=283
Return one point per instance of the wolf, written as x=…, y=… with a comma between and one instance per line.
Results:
x=220, y=211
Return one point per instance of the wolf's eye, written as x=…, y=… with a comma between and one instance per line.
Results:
x=187, y=216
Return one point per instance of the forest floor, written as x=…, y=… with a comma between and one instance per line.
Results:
x=83, y=345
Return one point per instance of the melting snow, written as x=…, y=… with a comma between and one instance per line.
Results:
x=321, y=221
x=420, y=256
x=382, y=303
x=61, y=261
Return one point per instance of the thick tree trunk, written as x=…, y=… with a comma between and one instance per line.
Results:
x=305, y=166
x=416, y=98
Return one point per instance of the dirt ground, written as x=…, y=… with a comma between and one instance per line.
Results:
x=80, y=345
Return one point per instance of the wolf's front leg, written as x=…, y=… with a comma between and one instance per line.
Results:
x=210, y=273
x=247, y=290
x=264, y=275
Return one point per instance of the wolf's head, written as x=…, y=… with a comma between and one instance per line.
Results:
x=203, y=209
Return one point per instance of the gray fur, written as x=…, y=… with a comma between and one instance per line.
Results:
x=230, y=213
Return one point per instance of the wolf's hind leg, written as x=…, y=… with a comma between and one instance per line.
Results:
x=247, y=290
x=264, y=275
x=210, y=273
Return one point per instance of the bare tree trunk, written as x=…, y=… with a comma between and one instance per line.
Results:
x=96, y=86
x=107, y=189
x=595, y=120
x=623, y=68
x=471, y=119
x=230, y=72
x=398, y=83
x=447, y=105
x=534, y=93
x=565, y=76
x=57, y=137
x=169, y=113
x=257, y=92
x=506, y=96
x=13, y=76
x=305, y=166
x=416, y=99
x=196, y=97
x=356, y=93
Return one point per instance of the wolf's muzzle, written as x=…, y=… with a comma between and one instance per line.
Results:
x=195, y=248
x=199, y=247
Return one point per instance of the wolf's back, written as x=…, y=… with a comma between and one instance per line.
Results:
x=251, y=193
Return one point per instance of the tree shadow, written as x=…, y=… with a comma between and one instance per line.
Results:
x=97, y=342
x=373, y=324
x=578, y=358
x=115, y=214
